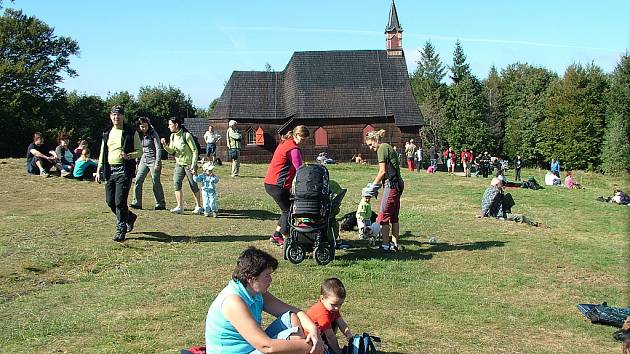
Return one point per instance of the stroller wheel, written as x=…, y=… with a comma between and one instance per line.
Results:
x=294, y=253
x=323, y=255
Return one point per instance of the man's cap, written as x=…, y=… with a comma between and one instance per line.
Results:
x=118, y=109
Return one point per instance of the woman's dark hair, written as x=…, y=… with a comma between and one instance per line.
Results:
x=143, y=120
x=251, y=263
x=177, y=120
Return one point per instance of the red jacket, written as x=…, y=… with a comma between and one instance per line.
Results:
x=281, y=171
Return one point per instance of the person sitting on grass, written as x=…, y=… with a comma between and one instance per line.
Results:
x=498, y=205
x=234, y=320
x=325, y=313
x=85, y=168
x=571, y=183
x=39, y=159
x=64, y=157
x=619, y=197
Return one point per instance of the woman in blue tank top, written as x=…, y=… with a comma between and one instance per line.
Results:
x=234, y=321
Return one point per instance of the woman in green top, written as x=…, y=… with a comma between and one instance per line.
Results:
x=388, y=175
x=183, y=146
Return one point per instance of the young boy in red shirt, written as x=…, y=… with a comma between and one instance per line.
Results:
x=325, y=313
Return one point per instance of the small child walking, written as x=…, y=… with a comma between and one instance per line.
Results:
x=325, y=313
x=209, y=182
x=367, y=229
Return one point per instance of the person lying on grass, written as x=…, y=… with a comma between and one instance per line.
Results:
x=498, y=205
x=234, y=319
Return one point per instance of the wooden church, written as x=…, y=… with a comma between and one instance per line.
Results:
x=339, y=95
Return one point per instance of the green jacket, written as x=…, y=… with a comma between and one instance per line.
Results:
x=183, y=147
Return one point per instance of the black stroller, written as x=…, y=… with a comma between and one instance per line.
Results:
x=310, y=224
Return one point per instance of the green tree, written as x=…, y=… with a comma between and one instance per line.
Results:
x=465, y=109
x=33, y=60
x=573, y=128
x=460, y=68
x=616, y=147
x=495, y=113
x=163, y=102
x=524, y=89
x=430, y=94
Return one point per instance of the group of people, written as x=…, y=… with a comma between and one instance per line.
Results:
x=40, y=159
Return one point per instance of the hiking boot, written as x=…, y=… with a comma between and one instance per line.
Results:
x=177, y=210
x=119, y=236
x=198, y=210
x=394, y=248
x=131, y=221
x=160, y=207
x=135, y=206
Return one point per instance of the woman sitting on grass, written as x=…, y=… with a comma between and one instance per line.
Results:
x=571, y=183
x=85, y=167
x=234, y=319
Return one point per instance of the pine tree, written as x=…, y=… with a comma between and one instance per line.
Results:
x=460, y=68
x=430, y=93
x=524, y=89
x=495, y=114
x=465, y=109
x=616, y=147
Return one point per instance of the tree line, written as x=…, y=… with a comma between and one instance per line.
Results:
x=34, y=61
x=581, y=118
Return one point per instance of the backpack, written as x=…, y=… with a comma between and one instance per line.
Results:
x=362, y=344
x=194, y=138
x=311, y=182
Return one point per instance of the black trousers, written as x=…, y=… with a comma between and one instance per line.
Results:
x=282, y=197
x=116, y=193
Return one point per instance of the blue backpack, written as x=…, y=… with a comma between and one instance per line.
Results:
x=362, y=344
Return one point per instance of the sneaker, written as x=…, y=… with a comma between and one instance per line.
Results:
x=64, y=173
x=198, y=210
x=342, y=245
x=135, y=206
x=131, y=221
x=384, y=248
x=214, y=214
x=44, y=174
x=276, y=238
x=394, y=247
x=160, y=207
x=206, y=214
x=177, y=210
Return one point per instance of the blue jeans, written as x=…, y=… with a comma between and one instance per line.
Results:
x=209, y=201
x=281, y=328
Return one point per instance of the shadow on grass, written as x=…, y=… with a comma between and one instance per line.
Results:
x=248, y=214
x=156, y=236
x=360, y=251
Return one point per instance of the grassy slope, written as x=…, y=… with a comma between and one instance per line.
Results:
x=487, y=286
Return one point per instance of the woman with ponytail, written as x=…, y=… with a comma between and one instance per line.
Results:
x=285, y=161
x=389, y=176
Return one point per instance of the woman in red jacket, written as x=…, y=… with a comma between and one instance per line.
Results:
x=285, y=161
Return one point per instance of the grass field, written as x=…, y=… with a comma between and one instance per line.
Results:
x=487, y=286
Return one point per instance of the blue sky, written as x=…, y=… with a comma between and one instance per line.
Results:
x=195, y=45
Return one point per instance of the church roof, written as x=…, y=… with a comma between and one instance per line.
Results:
x=393, y=24
x=323, y=85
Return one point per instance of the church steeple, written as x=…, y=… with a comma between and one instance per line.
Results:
x=393, y=33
